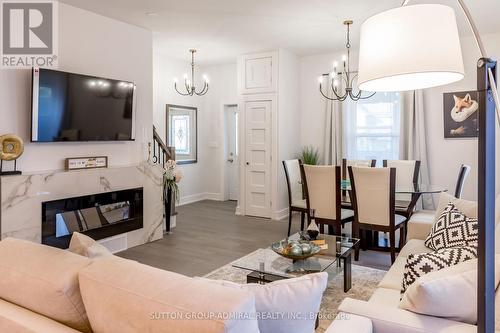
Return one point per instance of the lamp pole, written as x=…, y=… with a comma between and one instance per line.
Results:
x=486, y=198
x=488, y=107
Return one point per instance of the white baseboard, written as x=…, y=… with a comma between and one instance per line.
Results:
x=280, y=214
x=214, y=196
x=188, y=199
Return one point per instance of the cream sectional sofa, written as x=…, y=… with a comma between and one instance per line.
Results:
x=383, y=306
x=47, y=290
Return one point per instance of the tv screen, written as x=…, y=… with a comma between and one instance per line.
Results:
x=74, y=107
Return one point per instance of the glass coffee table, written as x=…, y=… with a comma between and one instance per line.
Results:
x=267, y=266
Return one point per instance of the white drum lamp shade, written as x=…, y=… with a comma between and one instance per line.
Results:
x=410, y=47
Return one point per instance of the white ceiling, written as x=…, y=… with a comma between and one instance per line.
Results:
x=223, y=29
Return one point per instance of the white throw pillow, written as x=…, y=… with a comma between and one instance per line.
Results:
x=286, y=306
x=449, y=293
x=87, y=247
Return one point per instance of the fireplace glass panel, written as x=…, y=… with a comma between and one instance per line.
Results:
x=98, y=216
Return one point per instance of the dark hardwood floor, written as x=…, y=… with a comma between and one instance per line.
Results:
x=208, y=235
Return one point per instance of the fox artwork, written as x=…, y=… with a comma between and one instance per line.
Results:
x=461, y=114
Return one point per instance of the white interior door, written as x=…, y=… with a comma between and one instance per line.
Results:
x=258, y=158
x=232, y=158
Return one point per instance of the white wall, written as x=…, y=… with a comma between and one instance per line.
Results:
x=445, y=156
x=223, y=91
x=88, y=44
x=163, y=93
x=312, y=104
x=289, y=123
x=202, y=180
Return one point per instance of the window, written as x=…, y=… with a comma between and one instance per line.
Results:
x=181, y=132
x=372, y=127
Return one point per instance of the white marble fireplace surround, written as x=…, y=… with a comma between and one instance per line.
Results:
x=22, y=196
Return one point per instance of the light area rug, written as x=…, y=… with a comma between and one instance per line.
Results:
x=364, y=283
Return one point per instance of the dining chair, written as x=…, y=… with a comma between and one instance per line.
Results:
x=462, y=176
x=407, y=174
x=373, y=195
x=323, y=193
x=345, y=175
x=355, y=163
x=296, y=201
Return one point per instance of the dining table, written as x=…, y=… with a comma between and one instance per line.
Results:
x=415, y=190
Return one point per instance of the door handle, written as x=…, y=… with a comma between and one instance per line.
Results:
x=230, y=160
x=248, y=163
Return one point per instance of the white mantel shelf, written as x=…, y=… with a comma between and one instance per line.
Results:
x=21, y=198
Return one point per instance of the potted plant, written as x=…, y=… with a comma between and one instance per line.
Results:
x=309, y=155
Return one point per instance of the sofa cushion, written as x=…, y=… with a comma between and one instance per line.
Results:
x=420, y=224
x=449, y=293
x=128, y=297
x=394, y=277
x=347, y=322
x=15, y=319
x=43, y=279
x=394, y=320
x=414, y=246
x=87, y=247
x=386, y=297
x=469, y=208
x=453, y=229
x=294, y=298
x=418, y=265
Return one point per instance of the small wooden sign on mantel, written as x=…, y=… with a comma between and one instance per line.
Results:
x=79, y=163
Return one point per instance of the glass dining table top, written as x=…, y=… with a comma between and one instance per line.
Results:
x=345, y=185
x=407, y=189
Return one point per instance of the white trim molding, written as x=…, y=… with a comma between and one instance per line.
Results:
x=188, y=199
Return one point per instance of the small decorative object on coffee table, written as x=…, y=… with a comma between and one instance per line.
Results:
x=312, y=229
x=295, y=249
x=11, y=148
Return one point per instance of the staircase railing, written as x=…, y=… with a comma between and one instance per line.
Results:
x=161, y=154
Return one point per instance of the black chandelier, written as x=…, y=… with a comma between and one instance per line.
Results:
x=189, y=84
x=344, y=76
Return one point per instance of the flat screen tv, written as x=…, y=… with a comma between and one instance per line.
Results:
x=74, y=107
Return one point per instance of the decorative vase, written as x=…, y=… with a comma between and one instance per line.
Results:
x=312, y=229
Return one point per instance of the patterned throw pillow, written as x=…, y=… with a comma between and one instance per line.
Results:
x=424, y=263
x=452, y=229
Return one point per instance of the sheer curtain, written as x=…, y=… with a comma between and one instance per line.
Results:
x=413, y=143
x=333, y=143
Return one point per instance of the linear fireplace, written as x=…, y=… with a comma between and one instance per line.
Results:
x=98, y=216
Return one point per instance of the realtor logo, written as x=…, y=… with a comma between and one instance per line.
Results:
x=29, y=33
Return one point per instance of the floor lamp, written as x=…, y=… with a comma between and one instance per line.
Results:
x=417, y=47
